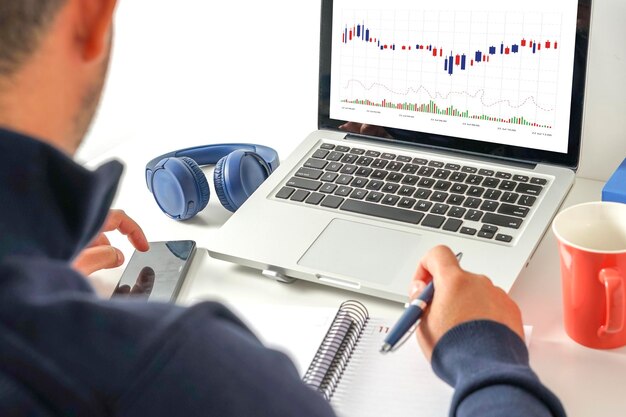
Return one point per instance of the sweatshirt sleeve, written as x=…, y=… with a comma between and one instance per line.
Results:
x=487, y=364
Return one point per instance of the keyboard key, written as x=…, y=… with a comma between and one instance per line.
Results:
x=423, y=205
x=527, y=200
x=403, y=158
x=410, y=180
x=426, y=171
x=357, y=151
x=334, y=156
x=442, y=185
x=304, y=183
x=422, y=193
x=436, y=164
x=328, y=189
x=379, y=164
x=471, y=202
x=439, y=196
x=492, y=194
x=440, y=209
x=309, y=173
x=512, y=210
x=349, y=158
x=348, y=169
x=379, y=174
x=419, y=161
x=528, y=189
x=490, y=182
x=452, y=225
x=407, y=203
x=327, y=146
x=341, y=148
x=474, y=215
x=503, y=175
x=489, y=228
x=374, y=197
x=459, y=188
x=474, y=179
x=475, y=191
x=329, y=177
x=510, y=198
x=469, y=170
x=344, y=179
x=395, y=166
x=375, y=185
x=468, y=231
x=285, y=192
x=391, y=188
x=332, y=201
x=538, y=181
x=388, y=156
x=426, y=182
x=456, y=212
x=363, y=172
x=386, y=212
x=343, y=191
x=394, y=177
x=485, y=234
x=373, y=154
x=390, y=199
x=358, y=194
x=315, y=163
x=410, y=169
x=364, y=161
x=453, y=167
x=314, y=198
x=299, y=195
x=507, y=185
x=334, y=166
x=489, y=205
x=501, y=220
x=320, y=153
x=504, y=238
x=442, y=174
x=521, y=178
x=455, y=199
x=432, y=220
x=359, y=182
x=458, y=177
x=486, y=172
x=406, y=190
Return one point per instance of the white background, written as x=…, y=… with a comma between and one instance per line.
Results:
x=181, y=71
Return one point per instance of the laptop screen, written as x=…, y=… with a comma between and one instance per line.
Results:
x=491, y=77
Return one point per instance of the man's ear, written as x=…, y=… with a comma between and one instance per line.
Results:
x=95, y=26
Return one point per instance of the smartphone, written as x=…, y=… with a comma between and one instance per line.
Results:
x=157, y=274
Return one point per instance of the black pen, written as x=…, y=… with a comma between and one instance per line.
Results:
x=411, y=316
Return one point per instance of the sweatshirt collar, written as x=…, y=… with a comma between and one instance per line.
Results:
x=49, y=204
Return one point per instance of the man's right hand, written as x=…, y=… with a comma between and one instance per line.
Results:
x=459, y=297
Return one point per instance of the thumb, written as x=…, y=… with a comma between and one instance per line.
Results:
x=96, y=258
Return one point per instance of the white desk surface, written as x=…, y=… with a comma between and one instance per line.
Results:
x=588, y=382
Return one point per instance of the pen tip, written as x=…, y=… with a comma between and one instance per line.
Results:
x=385, y=348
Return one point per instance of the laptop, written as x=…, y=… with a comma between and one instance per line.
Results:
x=442, y=123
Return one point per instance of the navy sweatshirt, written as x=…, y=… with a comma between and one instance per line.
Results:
x=66, y=352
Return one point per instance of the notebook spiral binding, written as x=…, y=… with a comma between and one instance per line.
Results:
x=334, y=353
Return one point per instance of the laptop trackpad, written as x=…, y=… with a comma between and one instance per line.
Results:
x=364, y=252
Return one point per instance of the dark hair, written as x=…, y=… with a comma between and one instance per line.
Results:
x=22, y=23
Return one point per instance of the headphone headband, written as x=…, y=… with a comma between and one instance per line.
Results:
x=210, y=154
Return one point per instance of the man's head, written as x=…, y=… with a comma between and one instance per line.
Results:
x=53, y=60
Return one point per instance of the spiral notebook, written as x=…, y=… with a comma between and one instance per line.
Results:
x=351, y=373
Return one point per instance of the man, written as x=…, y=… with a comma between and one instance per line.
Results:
x=65, y=352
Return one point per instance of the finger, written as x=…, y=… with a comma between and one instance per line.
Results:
x=100, y=257
x=416, y=289
x=439, y=261
x=120, y=221
x=100, y=240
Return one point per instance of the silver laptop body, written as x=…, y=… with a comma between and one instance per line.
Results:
x=490, y=200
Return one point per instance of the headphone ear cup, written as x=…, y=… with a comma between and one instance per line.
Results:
x=180, y=188
x=237, y=176
x=220, y=187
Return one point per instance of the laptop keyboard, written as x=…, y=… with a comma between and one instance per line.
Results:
x=457, y=198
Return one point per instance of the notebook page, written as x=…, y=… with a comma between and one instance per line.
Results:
x=400, y=383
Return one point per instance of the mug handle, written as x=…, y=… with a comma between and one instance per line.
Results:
x=614, y=292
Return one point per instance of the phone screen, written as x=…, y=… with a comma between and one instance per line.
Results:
x=157, y=274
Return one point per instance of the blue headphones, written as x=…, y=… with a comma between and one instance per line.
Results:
x=181, y=190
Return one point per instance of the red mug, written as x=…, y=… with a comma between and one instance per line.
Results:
x=592, y=249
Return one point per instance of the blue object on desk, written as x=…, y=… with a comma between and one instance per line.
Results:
x=615, y=187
